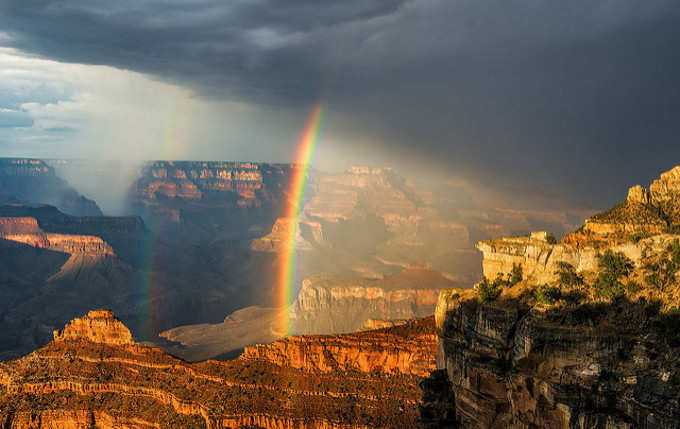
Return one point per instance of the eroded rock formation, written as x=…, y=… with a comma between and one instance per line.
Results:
x=32, y=181
x=325, y=305
x=406, y=349
x=93, y=375
x=588, y=338
x=332, y=304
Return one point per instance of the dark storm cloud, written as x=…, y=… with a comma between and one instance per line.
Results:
x=578, y=95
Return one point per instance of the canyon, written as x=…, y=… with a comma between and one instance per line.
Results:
x=197, y=257
x=586, y=338
x=324, y=305
x=32, y=181
x=94, y=375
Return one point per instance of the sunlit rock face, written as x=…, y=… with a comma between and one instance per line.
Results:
x=98, y=326
x=645, y=212
x=325, y=305
x=210, y=198
x=329, y=304
x=406, y=349
x=94, y=375
x=32, y=181
x=589, y=357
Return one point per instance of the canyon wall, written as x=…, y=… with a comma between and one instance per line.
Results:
x=94, y=375
x=32, y=181
x=333, y=304
x=407, y=349
x=325, y=305
x=588, y=338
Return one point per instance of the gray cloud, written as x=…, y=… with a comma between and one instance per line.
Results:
x=578, y=96
x=14, y=119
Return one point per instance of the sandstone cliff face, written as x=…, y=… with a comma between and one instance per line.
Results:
x=32, y=181
x=197, y=198
x=512, y=366
x=325, y=305
x=407, y=349
x=645, y=212
x=98, y=326
x=93, y=375
x=584, y=354
x=328, y=304
x=27, y=231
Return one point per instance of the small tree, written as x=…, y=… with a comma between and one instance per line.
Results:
x=516, y=274
x=613, y=267
x=663, y=273
x=551, y=239
x=546, y=294
x=568, y=275
x=487, y=291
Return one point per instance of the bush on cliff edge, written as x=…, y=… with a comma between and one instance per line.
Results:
x=487, y=291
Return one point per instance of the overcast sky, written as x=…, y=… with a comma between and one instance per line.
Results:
x=580, y=98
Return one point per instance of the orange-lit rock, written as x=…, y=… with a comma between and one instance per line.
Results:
x=94, y=375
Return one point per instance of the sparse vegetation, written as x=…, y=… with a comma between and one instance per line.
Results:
x=516, y=274
x=662, y=273
x=488, y=291
x=636, y=237
x=568, y=275
x=613, y=268
x=551, y=239
x=546, y=294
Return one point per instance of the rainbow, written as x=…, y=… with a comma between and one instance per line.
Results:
x=285, y=278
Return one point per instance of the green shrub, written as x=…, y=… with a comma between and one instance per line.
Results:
x=551, y=239
x=516, y=274
x=632, y=287
x=662, y=273
x=568, y=275
x=546, y=294
x=636, y=237
x=613, y=266
x=487, y=291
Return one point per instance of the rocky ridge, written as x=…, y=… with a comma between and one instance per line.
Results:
x=32, y=181
x=587, y=338
x=94, y=375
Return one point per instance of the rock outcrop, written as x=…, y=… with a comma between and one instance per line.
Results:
x=26, y=230
x=325, y=305
x=93, y=375
x=588, y=338
x=98, y=326
x=407, y=349
x=32, y=181
x=333, y=304
x=645, y=212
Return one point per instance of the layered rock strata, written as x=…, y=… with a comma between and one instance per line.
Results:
x=32, y=181
x=407, y=349
x=93, y=375
x=587, y=339
x=331, y=304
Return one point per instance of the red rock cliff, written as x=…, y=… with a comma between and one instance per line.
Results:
x=94, y=375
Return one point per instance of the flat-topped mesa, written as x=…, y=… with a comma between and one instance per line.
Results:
x=98, y=326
